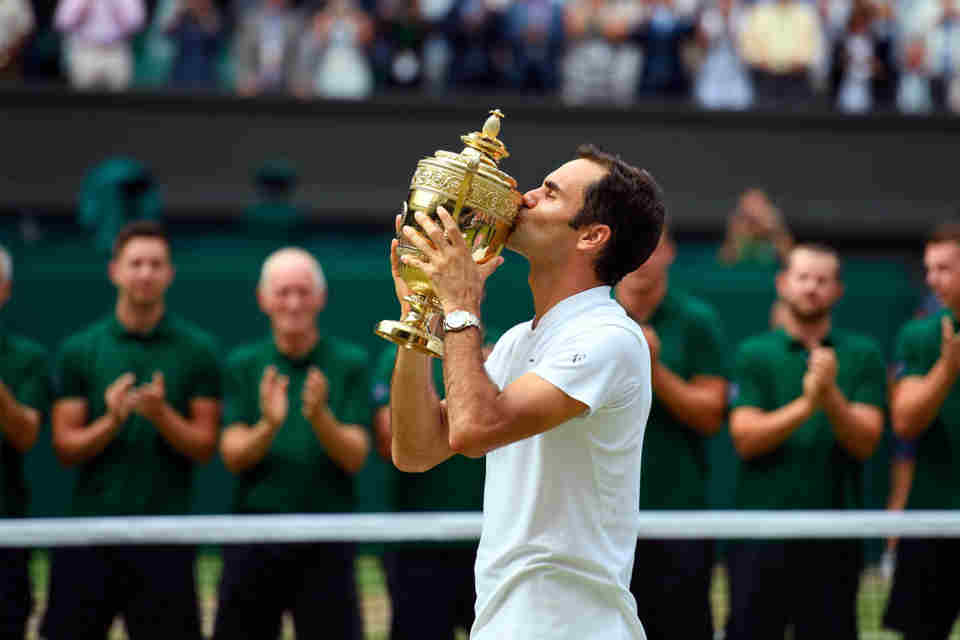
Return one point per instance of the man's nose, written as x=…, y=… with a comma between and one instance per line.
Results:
x=529, y=199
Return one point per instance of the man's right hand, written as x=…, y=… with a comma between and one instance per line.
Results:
x=120, y=397
x=949, y=345
x=273, y=397
x=399, y=284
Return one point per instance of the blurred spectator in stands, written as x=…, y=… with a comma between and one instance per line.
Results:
x=535, y=31
x=24, y=400
x=782, y=42
x=297, y=407
x=265, y=47
x=16, y=25
x=933, y=31
x=274, y=215
x=115, y=192
x=480, y=53
x=333, y=62
x=807, y=412
x=398, y=49
x=913, y=92
x=137, y=409
x=601, y=64
x=861, y=63
x=723, y=80
x=98, y=45
x=756, y=232
x=925, y=410
x=662, y=35
x=196, y=29
x=689, y=371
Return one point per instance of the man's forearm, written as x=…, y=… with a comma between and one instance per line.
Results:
x=195, y=439
x=20, y=425
x=83, y=443
x=756, y=432
x=917, y=400
x=698, y=405
x=346, y=444
x=471, y=395
x=857, y=431
x=420, y=438
x=243, y=446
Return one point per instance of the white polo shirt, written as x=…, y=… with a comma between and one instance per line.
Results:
x=560, y=508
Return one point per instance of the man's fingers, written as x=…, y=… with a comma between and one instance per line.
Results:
x=415, y=262
x=450, y=228
x=487, y=268
x=418, y=240
x=398, y=223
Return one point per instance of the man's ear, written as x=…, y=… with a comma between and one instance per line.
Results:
x=593, y=237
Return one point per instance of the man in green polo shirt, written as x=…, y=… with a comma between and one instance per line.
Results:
x=297, y=404
x=807, y=412
x=24, y=398
x=137, y=408
x=671, y=578
x=431, y=585
x=925, y=408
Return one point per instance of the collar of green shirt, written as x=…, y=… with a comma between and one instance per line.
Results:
x=163, y=329
x=306, y=359
x=795, y=344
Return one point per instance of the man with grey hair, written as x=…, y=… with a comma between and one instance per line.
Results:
x=296, y=411
x=24, y=397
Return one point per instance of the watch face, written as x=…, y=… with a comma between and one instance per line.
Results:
x=457, y=319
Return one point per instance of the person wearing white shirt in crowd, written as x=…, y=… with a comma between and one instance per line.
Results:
x=98, y=51
x=559, y=409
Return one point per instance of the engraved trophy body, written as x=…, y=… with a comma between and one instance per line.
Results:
x=484, y=202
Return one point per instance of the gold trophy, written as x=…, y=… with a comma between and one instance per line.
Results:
x=483, y=201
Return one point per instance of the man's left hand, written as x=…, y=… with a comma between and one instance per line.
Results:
x=457, y=280
x=150, y=400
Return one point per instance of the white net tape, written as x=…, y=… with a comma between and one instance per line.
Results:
x=384, y=527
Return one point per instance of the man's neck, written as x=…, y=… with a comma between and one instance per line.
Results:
x=139, y=318
x=296, y=344
x=550, y=286
x=810, y=334
x=641, y=303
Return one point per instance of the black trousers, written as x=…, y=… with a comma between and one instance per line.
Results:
x=810, y=584
x=925, y=598
x=152, y=587
x=433, y=591
x=671, y=584
x=16, y=601
x=314, y=581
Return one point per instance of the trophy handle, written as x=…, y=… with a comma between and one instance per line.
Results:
x=472, y=165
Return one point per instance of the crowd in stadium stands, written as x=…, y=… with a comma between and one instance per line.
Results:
x=142, y=394
x=854, y=55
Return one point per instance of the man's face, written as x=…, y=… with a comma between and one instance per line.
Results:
x=942, y=262
x=142, y=272
x=543, y=224
x=809, y=287
x=654, y=270
x=291, y=298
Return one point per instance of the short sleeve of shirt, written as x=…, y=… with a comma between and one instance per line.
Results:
x=872, y=382
x=710, y=348
x=240, y=393
x=909, y=357
x=356, y=408
x=34, y=389
x=70, y=376
x=749, y=377
x=207, y=379
x=599, y=368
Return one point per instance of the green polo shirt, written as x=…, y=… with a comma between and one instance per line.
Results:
x=24, y=369
x=936, y=481
x=297, y=475
x=674, y=471
x=454, y=485
x=809, y=470
x=139, y=472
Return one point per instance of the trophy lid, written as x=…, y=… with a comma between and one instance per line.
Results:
x=491, y=149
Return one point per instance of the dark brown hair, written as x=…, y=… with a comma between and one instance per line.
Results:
x=139, y=229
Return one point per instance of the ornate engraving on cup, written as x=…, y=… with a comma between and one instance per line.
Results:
x=482, y=199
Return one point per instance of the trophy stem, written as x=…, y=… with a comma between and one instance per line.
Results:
x=416, y=329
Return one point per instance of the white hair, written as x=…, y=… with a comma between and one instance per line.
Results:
x=288, y=254
x=6, y=265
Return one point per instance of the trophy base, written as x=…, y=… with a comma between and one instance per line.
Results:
x=410, y=337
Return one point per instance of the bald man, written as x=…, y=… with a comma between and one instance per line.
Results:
x=296, y=410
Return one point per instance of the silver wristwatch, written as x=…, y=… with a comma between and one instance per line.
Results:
x=459, y=320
